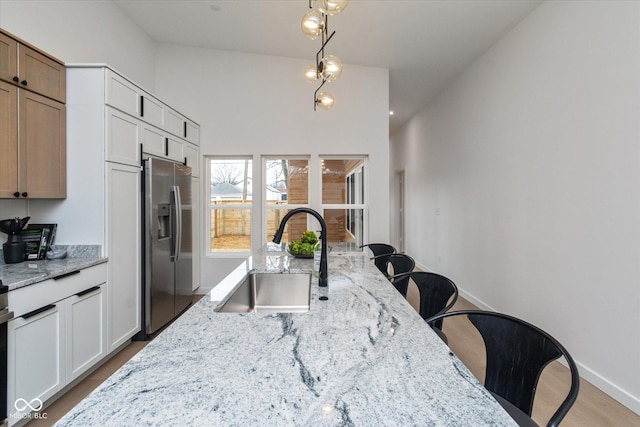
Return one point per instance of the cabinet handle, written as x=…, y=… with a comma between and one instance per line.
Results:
x=87, y=291
x=166, y=146
x=25, y=194
x=24, y=83
x=62, y=276
x=141, y=106
x=38, y=311
x=16, y=194
x=185, y=161
x=185, y=129
x=16, y=79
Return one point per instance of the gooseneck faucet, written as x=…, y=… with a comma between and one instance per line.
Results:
x=322, y=280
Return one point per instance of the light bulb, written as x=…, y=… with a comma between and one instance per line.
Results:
x=331, y=68
x=325, y=100
x=332, y=7
x=312, y=24
x=311, y=73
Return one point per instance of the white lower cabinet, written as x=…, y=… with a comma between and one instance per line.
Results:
x=59, y=332
x=35, y=365
x=85, y=315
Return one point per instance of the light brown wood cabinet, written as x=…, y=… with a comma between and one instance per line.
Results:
x=32, y=122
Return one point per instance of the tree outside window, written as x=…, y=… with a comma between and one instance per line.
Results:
x=230, y=204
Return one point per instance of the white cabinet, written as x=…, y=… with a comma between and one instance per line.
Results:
x=120, y=93
x=192, y=158
x=160, y=144
x=58, y=333
x=151, y=110
x=122, y=142
x=124, y=248
x=86, y=330
x=35, y=343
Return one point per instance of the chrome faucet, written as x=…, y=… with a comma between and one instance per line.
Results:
x=322, y=280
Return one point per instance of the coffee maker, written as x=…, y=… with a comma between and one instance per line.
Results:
x=14, y=249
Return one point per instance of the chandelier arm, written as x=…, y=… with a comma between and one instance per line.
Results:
x=320, y=53
x=315, y=95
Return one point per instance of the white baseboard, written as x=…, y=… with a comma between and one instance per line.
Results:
x=606, y=386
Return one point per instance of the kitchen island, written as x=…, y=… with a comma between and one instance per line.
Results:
x=364, y=357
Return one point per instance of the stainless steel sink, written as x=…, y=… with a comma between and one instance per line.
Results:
x=270, y=293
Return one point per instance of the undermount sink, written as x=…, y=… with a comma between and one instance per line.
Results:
x=270, y=293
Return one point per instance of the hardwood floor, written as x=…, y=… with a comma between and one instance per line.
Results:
x=593, y=407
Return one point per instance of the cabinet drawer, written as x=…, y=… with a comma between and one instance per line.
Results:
x=33, y=297
x=122, y=138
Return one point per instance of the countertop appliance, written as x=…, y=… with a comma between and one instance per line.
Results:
x=14, y=248
x=167, y=255
x=5, y=316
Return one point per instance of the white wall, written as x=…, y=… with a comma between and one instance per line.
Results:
x=83, y=31
x=260, y=105
x=532, y=159
x=79, y=31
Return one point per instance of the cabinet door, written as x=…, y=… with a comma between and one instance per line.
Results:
x=42, y=147
x=153, y=141
x=8, y=140
x=122, y=94
x=124, y=251
x=41, y=74
x=8, y=58
x=192, y=132
x=152, y=110
x=123, y=138
x=85, y=315
x=191, y=153
x=35, y=344
x=174, y=149
x=174, y=123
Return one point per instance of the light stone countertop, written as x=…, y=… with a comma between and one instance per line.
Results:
x=27, y=273
x=362, y=358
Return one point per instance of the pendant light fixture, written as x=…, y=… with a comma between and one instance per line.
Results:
x=327, y=68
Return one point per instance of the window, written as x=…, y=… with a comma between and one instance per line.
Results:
x=286, y=187
x=343, y=198
x=230, y=198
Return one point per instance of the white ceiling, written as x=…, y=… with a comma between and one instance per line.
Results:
x=423, y=43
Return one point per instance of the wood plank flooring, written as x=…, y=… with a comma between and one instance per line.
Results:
x=593, y=407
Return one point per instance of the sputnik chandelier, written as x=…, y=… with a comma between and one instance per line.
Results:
x=327, y=68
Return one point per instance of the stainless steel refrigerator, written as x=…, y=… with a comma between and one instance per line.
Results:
x=167, y=278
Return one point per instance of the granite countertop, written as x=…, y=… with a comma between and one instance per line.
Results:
x=362, y=358
x=29, y=272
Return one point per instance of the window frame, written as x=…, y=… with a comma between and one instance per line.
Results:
x=266, y=205
x=251, y=208
x=346, y=206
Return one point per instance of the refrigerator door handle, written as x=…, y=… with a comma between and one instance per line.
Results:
x=177, y=232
